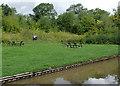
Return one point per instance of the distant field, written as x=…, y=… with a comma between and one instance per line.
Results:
x=41, y=55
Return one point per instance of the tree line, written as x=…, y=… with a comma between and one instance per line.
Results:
x=96, y=24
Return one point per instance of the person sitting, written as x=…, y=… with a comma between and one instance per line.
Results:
x=21, y=43
x=80, y=44
x=9, y=42
x=62, y=41
x=13, y=43
x=69, y=44
x=75, y=44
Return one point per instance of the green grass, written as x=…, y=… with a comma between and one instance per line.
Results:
x=41, y=55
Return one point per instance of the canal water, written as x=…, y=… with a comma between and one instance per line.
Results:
x=104, y=72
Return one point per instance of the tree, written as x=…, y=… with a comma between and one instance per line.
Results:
x=11, y=24
x=7, y=10
x=44, y=9
x=106, y=22
x=97, y=13
x=115, y=17
x=44, y=24
x=76, y=9
x=82, y=13
x=10, y=21
x=88, y=23
x=65, y=21
x=77, y=27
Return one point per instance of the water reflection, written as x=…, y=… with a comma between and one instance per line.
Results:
x=108, y=80
x=61, y=81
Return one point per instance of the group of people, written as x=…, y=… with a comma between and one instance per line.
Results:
x=72, y=44
x=16, y=43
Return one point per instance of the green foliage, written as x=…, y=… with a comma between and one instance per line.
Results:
x=27, y=35
x=44, y=9
x=0, y=19
x=88, y=23
x=76, y=9
x=7, y=10
x=97, y=13
x=82, y=13
x=77, y=27
x=78, y=20
x=108, y=38
x=115, y=17
x=11, y=24
x=106, y=22
x=65, y=21
x=44, y=24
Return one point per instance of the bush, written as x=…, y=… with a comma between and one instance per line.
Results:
x=11, y=24
x=102, y=39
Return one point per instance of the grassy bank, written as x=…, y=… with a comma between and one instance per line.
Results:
x=27, y=35
x=41, y=55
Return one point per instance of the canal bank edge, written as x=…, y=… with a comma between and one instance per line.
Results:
x=16, y=77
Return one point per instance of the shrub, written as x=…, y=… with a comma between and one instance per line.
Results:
x=102, y=39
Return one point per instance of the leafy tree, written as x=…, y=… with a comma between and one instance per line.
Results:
x=77, y=27
x=43, y=9
x=65, y=21
x=53, y=22
x=11, y=24
x=88, y=23
x=30, y=23
x=82, y=13
x=1, y=17
x=106, y=22
x=7, y=10
x=97, y=13
x=76, y=8
x=44, y=24
x=115, y=17
x=10, y=21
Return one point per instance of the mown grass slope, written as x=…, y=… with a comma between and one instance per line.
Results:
x=41, y=55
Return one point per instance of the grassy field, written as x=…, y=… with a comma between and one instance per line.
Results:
x=41, y=55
